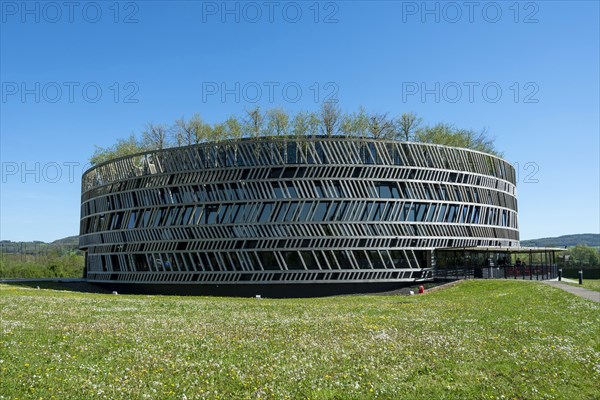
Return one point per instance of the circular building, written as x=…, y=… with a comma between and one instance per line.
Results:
x=290, y=216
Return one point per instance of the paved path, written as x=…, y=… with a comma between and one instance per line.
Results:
x=576, y=290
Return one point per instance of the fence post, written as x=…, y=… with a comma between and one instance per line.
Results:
x=581, y=277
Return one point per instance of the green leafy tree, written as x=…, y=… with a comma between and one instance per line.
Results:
x=278, y=122
x=218, y=132
x=123, y=147
x=329, y=121
x=254, y=122
x=189, y=132
x=583, y=255
x=407, y=125
x=330, y=118
x=300, y=125
x=156, y=136
x=313, y=124
x=355, y=124
x=381, y=127
x=233, y=128
x=446, y=134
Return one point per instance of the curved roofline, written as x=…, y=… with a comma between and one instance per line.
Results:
x=295, y=138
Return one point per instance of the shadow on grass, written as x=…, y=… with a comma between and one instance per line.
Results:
x=83, y=286
x=74, y=285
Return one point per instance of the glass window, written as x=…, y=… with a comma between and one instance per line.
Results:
x=210, y=216
x=278, y=190
x=319, y=189
x=331, y=211
x=442, y=213
x=431, y=213
x=464, y=214
x=336, y=189
x=303, y=212
x=475, y=217
x=291, y=212
x=292, y=259
x=320, y=211
x=340, y=211
x=131, y=224
x=282, y=211
x=239, y=215
x=411, y=213
x=265, y=215
x=384, y=190
x=378, y=208
x=366, y=212
x=275, y=173
x=421, y=209
x=451, y=213
x=291, y=152
x=225, y=214
x=186, y=216
x=291, y=189
x=309, y=260
x=157, y=217
x=443, y=193
x=361, y=258
x=457, y=193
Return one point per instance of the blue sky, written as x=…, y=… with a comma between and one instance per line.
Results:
x=75, y=76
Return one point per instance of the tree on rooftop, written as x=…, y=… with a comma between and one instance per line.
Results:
x=330, y=116
x=446, y=134
x=254, y=122
x=156, y=136
x=190, y=131
x=278, y=122
x=122, y=148
x=407, y=125
x=329, y=120
x=381, y=127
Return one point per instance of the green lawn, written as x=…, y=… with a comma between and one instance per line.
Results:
x=592, y=284
x=475, y=340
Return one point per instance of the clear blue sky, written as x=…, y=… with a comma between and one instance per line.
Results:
x=154, y=61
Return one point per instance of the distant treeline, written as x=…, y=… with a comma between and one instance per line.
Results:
x=329, y=120
x=580, y=256
x=37, y=259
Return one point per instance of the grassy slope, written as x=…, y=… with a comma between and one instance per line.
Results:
x=478, y=339
x=591, y=284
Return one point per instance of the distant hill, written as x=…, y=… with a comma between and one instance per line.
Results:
x=71, y=243
x=36, y=247
x=589, y=239
x=68, y=241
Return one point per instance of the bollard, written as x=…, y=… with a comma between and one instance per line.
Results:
x=560, y=274
x=581, y=277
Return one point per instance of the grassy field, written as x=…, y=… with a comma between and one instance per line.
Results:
x=592, y=284
x=475, y=340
